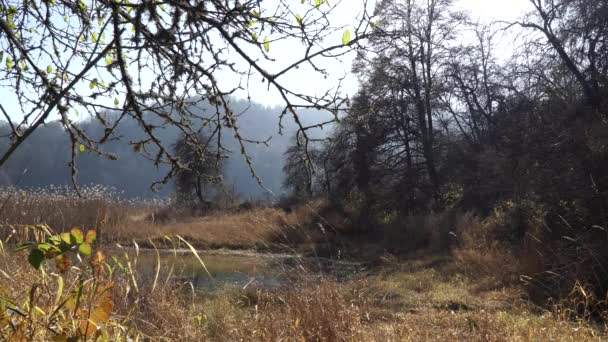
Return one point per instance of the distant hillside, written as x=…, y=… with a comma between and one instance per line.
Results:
x=46, y=155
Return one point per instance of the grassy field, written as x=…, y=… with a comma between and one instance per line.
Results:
x=423, y=299
x=121, y=221
x=471, y=293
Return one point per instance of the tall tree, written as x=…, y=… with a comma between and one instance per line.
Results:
x=403, y=71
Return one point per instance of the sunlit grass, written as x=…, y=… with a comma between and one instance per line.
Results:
x=423, y=298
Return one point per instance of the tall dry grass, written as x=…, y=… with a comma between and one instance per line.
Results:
x=515, y=247
x=263, y=228
x=118, y=220
x=324, y=311
x=424, y=300
x=96, y=207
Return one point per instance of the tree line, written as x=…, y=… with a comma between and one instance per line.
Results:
x=45, y=156
x=443, y=119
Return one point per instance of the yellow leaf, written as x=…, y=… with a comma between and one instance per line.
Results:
x=65, y=237
x=101, y=314
x=59, y=290
x=91, y=236
x=62, y=262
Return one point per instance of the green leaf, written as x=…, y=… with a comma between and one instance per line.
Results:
x=93, y=83
x=266, y=44
x=65, y=237
x=12, y=10
x=85, y=249
x=49, y=69
x=318, y=3
x=55, y=239
x=302, y=1
x=81, y=148
x=9, y=62
x=346, y=37
x=24, y=245
x=44, y=247
x=1, y=56
x=299, y=20
x=83, y=5
x=23, y=65
x=254, y=36
x=36, y=258
x=116, y=101
x=109, y=60
x=94, y=36
x=77, y=235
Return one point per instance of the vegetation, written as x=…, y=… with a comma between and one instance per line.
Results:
x=202, y=168
x=471, y=189
x=440, y=125
x=104, y=298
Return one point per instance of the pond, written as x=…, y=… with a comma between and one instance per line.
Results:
x=236, y=268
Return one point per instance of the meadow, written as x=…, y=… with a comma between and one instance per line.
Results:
x=87, y=283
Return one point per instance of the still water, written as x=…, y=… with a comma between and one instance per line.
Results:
x=234, y=269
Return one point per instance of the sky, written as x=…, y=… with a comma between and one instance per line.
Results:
x=347, y=15
x=304, y=79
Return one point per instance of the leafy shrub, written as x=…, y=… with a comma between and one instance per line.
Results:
x=52, y=310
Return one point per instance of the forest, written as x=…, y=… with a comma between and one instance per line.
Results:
x=440, y=125
x=46, y=158
x=461, y=193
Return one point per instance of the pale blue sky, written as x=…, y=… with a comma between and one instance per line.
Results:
x=305, y=79
x=484, y=10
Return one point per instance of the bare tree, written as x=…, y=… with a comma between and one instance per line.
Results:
x=155, y=61
x=405, y=65
x=576, y=30
x=299, y=168
x=203, y=166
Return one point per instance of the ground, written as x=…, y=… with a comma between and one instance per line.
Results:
x=421, y=296
x=421, y=299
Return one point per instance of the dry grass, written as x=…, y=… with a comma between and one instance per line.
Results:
x=479, y=254
x=258, y=228
x=424, y=299
x=229, y=229
x=419, y=300
x=472, y=294
x=118, y=220
x=99, y=208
